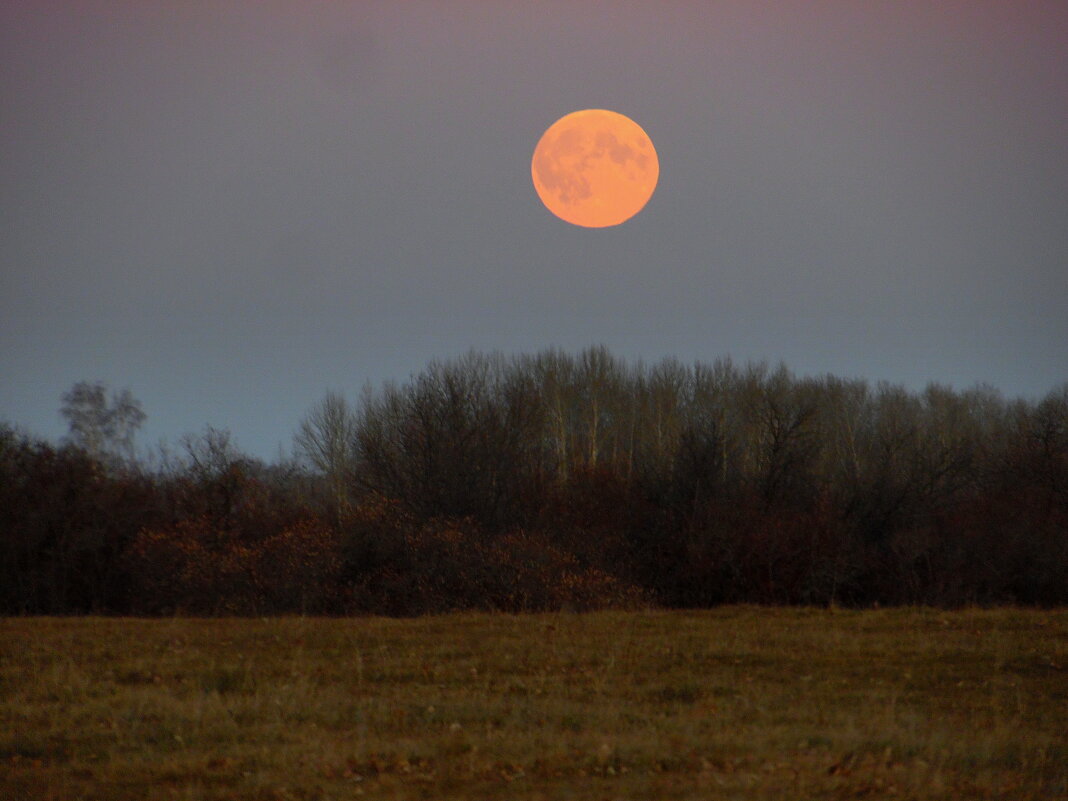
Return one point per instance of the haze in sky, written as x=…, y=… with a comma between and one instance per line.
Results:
x=232, y=208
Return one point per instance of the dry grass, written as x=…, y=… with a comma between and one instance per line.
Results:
x=737, y=703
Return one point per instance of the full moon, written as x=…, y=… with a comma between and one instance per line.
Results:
x=595, y=168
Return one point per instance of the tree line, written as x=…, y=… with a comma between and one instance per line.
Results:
x=549, y=481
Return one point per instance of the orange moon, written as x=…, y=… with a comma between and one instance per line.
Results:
x=595, y=168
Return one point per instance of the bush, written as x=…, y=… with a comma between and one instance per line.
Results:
x=398, y=566
x=192, y=567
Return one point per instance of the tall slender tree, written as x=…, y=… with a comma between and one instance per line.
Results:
x=326, y=440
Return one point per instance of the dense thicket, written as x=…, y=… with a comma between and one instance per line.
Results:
x=559, y=480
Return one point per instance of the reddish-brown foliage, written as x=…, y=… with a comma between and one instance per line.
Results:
x=445, y=565
x=194, y=568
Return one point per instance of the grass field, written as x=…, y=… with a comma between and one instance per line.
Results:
x=735, y=703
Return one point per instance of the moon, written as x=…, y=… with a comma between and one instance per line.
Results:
x=595, y=168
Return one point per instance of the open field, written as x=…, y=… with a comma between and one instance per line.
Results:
x=738, y=703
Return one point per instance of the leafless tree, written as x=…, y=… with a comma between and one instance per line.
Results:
x=326, y=440
x=104, y=426
x=462, y=439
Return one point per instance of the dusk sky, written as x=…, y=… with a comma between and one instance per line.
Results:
x=231, y=208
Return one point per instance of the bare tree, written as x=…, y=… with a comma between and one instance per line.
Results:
x=553, y=373
x=326, y=440
x=663, y=394
x=211, y=454
x=601, y=385
x=461, y=439
x=103, y=426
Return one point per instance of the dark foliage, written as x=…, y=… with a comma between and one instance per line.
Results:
x=558, y=481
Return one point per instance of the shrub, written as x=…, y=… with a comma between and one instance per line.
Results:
x=410, y=568
x=192, y=567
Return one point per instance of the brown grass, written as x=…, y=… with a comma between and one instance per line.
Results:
x=736, y=703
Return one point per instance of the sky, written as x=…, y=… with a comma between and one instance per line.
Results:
x=231, y=208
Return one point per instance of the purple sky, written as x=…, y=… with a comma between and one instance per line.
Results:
x=230, y=208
